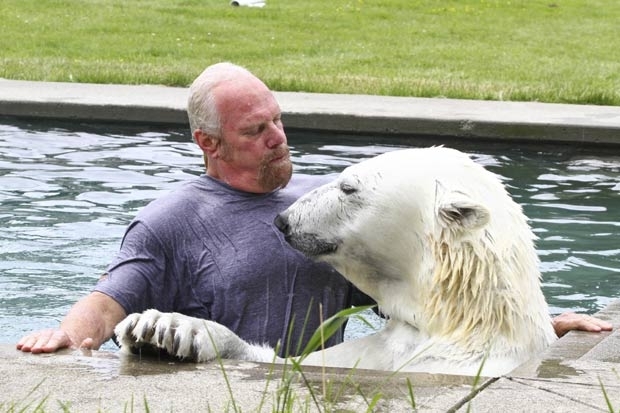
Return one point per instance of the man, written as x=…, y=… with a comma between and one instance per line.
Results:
x=210, y=249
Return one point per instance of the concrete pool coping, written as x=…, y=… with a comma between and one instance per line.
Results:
x=463, y=119
x=576, y=373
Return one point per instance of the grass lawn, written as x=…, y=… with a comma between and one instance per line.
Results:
x=528, y=50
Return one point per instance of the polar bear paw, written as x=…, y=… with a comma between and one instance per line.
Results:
x=187, y=338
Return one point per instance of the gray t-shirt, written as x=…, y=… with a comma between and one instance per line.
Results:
x=210, y=251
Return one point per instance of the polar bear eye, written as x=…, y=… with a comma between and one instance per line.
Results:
x=347, y=189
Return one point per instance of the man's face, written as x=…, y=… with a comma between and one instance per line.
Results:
x=253, y=151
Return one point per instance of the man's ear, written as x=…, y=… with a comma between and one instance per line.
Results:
x=208, y=143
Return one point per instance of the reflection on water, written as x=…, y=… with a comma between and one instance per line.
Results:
x=68, y=191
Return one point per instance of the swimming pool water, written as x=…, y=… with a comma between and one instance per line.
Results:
x=67, y=192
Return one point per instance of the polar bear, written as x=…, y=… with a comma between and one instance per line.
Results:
x=436, y=240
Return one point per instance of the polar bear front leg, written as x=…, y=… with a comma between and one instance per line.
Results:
x=188, y=338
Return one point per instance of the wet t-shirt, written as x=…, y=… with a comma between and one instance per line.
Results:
x=210, y=251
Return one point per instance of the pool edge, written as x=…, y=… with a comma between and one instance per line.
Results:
x=353, y=114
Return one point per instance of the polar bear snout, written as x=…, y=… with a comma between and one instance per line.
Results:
x=310, y=244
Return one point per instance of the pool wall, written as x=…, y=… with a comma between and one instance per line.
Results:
x=352, y=114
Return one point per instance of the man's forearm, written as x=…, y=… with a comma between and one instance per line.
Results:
x=92, y=318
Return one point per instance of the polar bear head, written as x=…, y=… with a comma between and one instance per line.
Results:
x=432, y=236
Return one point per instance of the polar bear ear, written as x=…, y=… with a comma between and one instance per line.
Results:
x=456, y=209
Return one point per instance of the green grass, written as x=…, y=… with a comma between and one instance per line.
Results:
x=528, y=50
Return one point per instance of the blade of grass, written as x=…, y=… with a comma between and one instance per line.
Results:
x=329, y=327
x=610, y=407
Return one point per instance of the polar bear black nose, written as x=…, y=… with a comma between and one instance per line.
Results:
x=281, y=222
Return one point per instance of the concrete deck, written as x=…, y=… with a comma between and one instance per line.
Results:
x=579, y=373
x=327, y=112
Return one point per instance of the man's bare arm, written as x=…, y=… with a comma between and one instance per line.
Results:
x=88, y=324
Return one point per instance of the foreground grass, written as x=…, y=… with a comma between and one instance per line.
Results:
x=529, y=50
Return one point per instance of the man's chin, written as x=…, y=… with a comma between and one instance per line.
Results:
x=278, y=177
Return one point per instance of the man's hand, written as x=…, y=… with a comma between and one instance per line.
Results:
x=50, y=340
x=566, y=322
x=88, y=324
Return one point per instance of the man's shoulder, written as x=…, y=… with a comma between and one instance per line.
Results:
x=178, y=199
